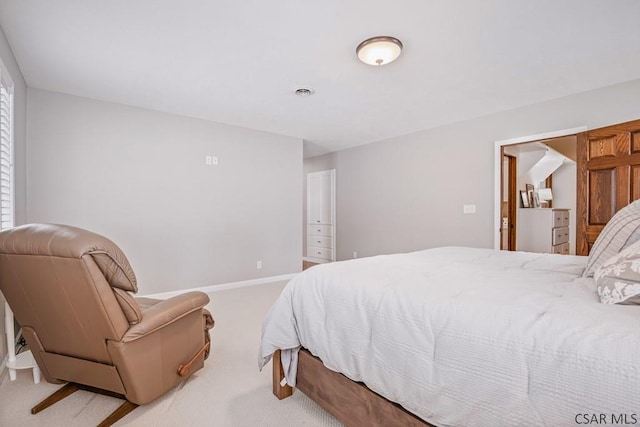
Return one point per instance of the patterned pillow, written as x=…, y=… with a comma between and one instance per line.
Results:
x=618, y=278
x=620, y=232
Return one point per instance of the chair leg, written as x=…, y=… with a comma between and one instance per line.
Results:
x=71, y=388
x=122, y=410
x=60, y=394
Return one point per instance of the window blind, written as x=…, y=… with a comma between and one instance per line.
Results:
x=6, y=154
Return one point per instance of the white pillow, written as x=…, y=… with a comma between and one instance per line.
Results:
x=618, y=278
x=620, y=232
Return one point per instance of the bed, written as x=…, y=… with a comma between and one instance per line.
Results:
x=459, y=337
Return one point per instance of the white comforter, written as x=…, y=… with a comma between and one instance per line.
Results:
x=466, y=337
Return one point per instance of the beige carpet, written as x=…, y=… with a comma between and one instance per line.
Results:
x=229, y=391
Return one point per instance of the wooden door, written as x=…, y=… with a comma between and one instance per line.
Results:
x=509, y=202
x=608, y=178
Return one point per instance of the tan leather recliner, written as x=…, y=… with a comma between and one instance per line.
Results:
x=69, y=290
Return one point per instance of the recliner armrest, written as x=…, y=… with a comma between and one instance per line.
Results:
x=166, y=312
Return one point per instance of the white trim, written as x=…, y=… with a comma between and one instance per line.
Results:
x=5, y=77
x=223, y=286
x=498, y=160
x=541, y=136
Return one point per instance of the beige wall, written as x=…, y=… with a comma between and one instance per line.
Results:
x=406, y=193
x=20, y=119
x=139, y=177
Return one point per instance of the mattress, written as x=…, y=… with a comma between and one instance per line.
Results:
x=466, y=337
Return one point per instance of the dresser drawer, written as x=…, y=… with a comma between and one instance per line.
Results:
x=320, y=241
x=320, y=230
x=562, y=249
x=560, y=235
x=560, y=219
x=317, y=252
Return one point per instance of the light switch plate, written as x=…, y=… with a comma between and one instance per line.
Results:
x=211, y=160
x=469, y=209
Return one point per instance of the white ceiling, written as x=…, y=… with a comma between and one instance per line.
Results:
x=238, y=62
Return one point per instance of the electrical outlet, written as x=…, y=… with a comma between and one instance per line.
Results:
x=355, y=254
x=259, y=265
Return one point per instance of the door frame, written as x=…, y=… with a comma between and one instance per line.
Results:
x=497, y=168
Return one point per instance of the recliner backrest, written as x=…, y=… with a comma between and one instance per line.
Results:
x=60, y=283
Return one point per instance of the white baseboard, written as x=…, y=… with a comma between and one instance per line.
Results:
x=224, y=286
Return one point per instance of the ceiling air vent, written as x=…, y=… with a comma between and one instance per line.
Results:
x=303, y=91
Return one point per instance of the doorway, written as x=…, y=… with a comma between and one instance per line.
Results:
x=546, y=186
x=498, y=178
x=607, y=179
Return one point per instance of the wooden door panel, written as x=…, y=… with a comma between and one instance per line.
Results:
x=514, y=202
x=510, y=201
x=635, y=142
x=635, y=182
x=608, y=178
x=602, y=147
x=622, y=186
x=602, y=195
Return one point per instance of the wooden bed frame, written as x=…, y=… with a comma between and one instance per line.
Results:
x=598, y=153
x=350, y=402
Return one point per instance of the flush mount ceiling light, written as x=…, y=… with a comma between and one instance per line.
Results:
x=379, y=50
